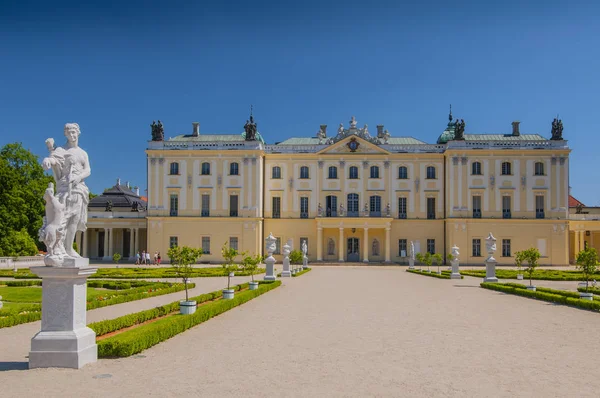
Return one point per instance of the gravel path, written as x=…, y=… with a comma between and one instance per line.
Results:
x=354, y=331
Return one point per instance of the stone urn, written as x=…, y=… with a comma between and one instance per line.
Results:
x=586, y=296
x=253, y=285
x=532, y=288
x=228, y=293
x=187, y=307
x=520, y=277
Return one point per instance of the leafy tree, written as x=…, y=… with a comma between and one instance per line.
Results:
x=182, y=259
x=428, y=260
x=587, y=262
x=229, y=254
x=22, y=186
x=296, y=257
x=519, y=257
x=17, y=243
x=250, y=263
x=531, y=257
x=419, y=258
x=116, y=258
x=437, y=257
x=450, y=257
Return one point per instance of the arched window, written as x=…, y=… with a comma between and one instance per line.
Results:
x=333, y=172
x=476, y=168
x=539, y=168
x=276, y=172
x=304, y=172
x=353, y=173
x=402, y=173
x=234, y=169
x=174, y=169
x=205, y=169
x=374, y=172
x=430, y=173
x=375, y=248
x=506, y=169
x=375, y=206
x=330, y=247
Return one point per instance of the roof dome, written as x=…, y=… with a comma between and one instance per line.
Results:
x=448, y=134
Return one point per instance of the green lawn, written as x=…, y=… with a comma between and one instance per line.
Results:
x=134, y=273
x=539, y=274
x=33, y=294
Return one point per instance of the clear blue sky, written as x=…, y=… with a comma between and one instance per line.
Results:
x=114, y=68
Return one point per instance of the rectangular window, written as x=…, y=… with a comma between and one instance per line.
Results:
x=476, y=247
x=402, y=251
x=174, y=209
x=277, y=246
x=173, y=241
x=333, y=172
x=402, y=173
x=505, y=247
x=233, y=206
x=506, y=207
x=353, y=172
x=401, y=207
x=206, y=244
x=375, y=206
x=233, y=243
x=431, y=208
x=539, y=169
x=304, y=207
x=276, y=207
x=477, y=206
x=431, y=246
x=205, y=206
x=506, y=169
x=205, y=169
x=539, y=206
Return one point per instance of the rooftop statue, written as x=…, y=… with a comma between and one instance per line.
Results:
x=158, y=131
x=66, y=209
x=459, y=130
x=250, y=129
x=557, y=129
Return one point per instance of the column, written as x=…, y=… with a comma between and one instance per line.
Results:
x=110, y=242
x=106, y=238
x=319, y=244
x=575, y=244
x=97, y=243
x=341, y=246
x=388, y=245
x=86, y=238
x=581, y=240
x=131, y=245
x=137, y=241
x=366, y=246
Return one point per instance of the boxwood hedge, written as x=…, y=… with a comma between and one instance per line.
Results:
x=444, y=275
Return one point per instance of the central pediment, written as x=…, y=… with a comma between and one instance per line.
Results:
x=353, y=144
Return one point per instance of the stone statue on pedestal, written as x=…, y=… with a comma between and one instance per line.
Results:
x=66, y=209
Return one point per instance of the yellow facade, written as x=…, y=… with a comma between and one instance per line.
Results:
x=363, y=198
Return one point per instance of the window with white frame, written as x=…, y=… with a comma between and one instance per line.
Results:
x=374, y=171
x=539, y=206
x=506, y=168
x=476, y=247
x=277, y=246
x=276, y=207
x=402, y=208
x=505, y=247
x=233, y=243
x=476, y=168
x=303, y=207
x=402, y=173
x=539, y=168
x=173, y=241
x=402, y=248
x=431, y=246
x=206, y=245
x=205, y=205
x=430, y=173
x=276, y=172
x=353, y=173
x=174, y=168
x=333, y=172
x=506, y=206
x=174, y=205
x=205, y=168
x=304, y=172
x=234, y=169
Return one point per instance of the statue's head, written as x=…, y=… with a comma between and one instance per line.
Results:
x=50, y=144
x=72, y=132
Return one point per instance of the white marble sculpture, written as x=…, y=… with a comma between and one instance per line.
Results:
x=304, y=255
x=271, y=246
x=455, y=263
x=286, y=261
x=411, y=256
x=66, y=209
x=490, y=262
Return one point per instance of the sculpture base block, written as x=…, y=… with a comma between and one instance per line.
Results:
x=455, y=276
x=411, y=264
x=490, y=279
x=64, y=341
x=269, y=278
x=286, y=274
x=60, y=349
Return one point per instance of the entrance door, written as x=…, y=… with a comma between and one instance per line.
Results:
x=353, y=252
x=101, y=244
x=331, y=206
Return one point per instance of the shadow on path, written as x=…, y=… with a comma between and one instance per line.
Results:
x=4, y=366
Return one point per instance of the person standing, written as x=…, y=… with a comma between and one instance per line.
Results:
x=137, y=258
x=148, y=257
x=143, y=257
x=158, y=259
x=155, y=258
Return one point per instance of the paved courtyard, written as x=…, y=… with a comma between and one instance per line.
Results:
x=346, y=331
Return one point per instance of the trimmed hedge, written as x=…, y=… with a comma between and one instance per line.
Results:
x=21, y=283
x=136, y=340
x=13, y=320
x=539, y=274
x=551, y=295
x=304, y=271
x=444, y=275
x=594, y=290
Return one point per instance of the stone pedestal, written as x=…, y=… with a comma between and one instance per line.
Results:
x=411, y=263
x=64, y=341
x=490, y=270
x=305, y=263
x=286, y=273
x=270, y=269
x=455, y=273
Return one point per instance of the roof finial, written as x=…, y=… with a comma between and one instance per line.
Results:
x=250, y=110
x=450, y=115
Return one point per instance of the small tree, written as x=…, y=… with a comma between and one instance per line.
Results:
x=182, y=259
x=587, y=262
x=428, y=260
x=250, y=263
x=296, y=257
x=419, y=258
x=519, y=261
x=531, y=256
x=116, y=258
x=450, y=257
x=229, y=254
x=437, y=257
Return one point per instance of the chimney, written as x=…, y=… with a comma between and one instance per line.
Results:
x=515, y=126
x=324, y=129
x=136, y=190
x=196, y=131
x=379, y=129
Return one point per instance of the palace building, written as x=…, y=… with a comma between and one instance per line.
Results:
x=357, y=196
